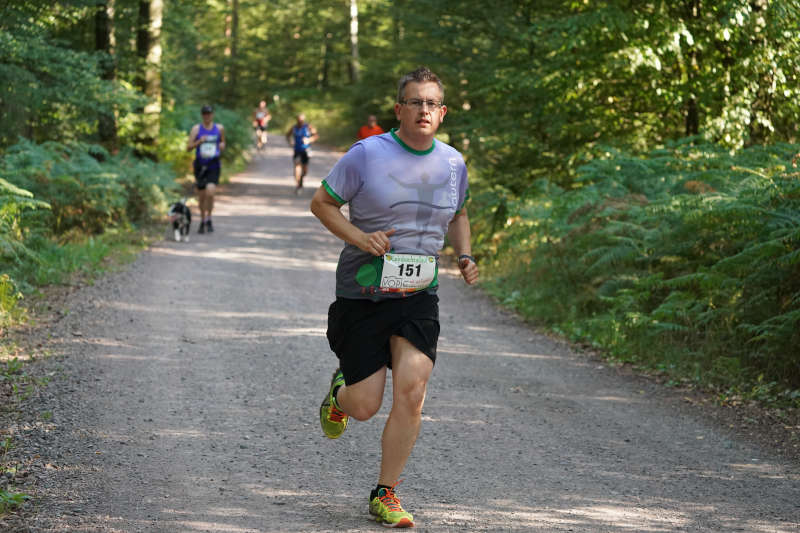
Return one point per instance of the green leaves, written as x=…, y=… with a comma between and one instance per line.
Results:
x=9, y=500
x=652, y=263
x=14, y=203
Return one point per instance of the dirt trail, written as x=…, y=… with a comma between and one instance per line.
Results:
x=191, y=381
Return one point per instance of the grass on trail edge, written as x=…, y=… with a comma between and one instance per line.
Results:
x=9, y=499
x=71, y=264
x=761, y=394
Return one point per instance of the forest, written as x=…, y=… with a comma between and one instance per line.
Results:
x=633, y=164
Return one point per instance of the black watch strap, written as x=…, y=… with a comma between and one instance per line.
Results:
x=467, y=256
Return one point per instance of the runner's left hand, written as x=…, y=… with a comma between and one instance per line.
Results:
x=469, y=270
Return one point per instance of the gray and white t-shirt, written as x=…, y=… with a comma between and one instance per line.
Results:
x=392, y=186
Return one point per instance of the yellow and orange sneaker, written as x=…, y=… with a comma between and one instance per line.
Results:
x=332, y=419
x=386, y=508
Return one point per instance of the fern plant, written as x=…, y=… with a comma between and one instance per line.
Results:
x=686, y=260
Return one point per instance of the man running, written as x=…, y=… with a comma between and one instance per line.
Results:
x=405, y=190
x=208, y=139
x=301, y=135
x=261, y=118
x=370, y=128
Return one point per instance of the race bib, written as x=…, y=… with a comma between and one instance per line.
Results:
x=208, y=150
x=407, y=272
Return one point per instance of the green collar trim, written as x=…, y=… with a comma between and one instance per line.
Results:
x=407, y=147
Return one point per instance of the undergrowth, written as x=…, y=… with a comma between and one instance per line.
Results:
x=15, y=386
x=686, y=262
x=8, y=498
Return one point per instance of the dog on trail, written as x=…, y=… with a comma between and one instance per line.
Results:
x=181, y=218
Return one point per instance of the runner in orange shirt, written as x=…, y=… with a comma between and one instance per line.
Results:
x=371, y=128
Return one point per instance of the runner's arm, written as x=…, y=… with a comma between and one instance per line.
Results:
x=327, y=210
x=459, y=235
x=193, y=141
x=221, y=138
x=314, y=135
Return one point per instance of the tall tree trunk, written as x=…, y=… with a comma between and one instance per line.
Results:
x=692, y=117
x=399, y=28
x=148, y=48
x=761, y=106
x=233, y=73
x=324, y=75
x=104, y=40
x=142, y=43
x=692, y=111
x=355, y=73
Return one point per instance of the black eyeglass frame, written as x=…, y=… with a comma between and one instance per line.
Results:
x=416, y=102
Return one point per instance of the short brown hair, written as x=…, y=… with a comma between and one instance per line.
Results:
x=421, y=75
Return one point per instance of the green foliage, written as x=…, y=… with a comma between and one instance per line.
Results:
x=10, y=311
x=86, y=257
x=531, y=84
x=53, y=90
x=70, y=205
x=687, y=260
x=15, y=204
x=8, y=500
x=87, y=189
x=13, y=367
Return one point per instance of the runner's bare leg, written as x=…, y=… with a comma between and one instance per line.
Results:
x=363, y=399
x=211, y=190
x=303, y=174
x=201, y=203
x=411, y=370
x=298, y=174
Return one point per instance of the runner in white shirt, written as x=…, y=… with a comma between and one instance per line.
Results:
x=261, y=118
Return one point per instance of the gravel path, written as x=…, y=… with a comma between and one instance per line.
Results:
x=188, y=387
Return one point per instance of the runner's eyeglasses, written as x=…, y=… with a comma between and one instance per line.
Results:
x=420, y=104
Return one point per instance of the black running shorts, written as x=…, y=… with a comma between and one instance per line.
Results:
x=301, y=157
x=205, y=175
x=359, y=331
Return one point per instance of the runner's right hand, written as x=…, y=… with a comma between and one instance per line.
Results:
x=377, y=243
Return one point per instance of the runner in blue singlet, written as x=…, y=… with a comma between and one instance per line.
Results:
x=300, y=136
x=208, y=141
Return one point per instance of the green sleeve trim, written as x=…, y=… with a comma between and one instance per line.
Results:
x=408, y=148
x=333, y=193
x=461, y=207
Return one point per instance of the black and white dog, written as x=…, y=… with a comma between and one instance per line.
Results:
x=181, y=218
